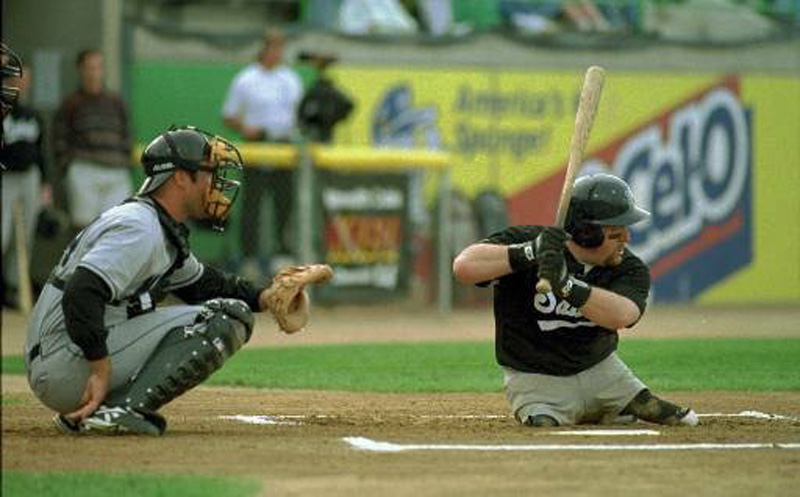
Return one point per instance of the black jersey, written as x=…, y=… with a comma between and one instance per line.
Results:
x=23, y=145
x=543, y=334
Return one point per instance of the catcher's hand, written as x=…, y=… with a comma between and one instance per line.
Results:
x=287, y=299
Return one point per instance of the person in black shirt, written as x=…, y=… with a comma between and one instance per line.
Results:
x=25, y=185
x=558, y=350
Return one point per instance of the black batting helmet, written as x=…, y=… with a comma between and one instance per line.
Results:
x=192, y=149
x=11, y=68
x=600, y=200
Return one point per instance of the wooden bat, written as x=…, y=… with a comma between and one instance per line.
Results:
x=23, y=273
x=587, y=108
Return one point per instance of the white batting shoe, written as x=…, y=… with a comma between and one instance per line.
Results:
x=689, y=418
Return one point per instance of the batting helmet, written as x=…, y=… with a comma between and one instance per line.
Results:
x=192, y=149
x=11, y=68
x=600, y=200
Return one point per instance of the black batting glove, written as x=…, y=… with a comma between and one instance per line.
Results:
x=553, y=268
x=551, y=239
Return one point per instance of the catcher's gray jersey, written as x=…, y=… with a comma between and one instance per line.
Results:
x=128, y=249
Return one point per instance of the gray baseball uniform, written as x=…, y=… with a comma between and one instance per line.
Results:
x=129, y=249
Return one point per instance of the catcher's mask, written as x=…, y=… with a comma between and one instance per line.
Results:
x=600, y=200
x=192, y=149
x=11, y=68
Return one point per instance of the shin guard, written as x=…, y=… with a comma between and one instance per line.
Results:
x=188, y=355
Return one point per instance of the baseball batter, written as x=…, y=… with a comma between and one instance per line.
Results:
x=98, y=350
x=558, y=350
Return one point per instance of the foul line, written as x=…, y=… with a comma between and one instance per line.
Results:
x=362, y=443
x=297, y=419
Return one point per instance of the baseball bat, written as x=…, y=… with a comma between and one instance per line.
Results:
x=584, y=119
x=23, y=274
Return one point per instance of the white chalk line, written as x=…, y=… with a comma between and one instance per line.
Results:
x=750, y=414
x=268, y=419
x=606, y=432
x=362, y=443
x=297, y=419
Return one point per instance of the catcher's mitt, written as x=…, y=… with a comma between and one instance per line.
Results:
x=287, y=299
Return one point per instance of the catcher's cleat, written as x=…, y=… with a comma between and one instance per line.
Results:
x=114, y=421
x=66, y=426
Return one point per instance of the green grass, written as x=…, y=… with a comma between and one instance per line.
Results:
x=378, y=368
x=14, y=399
x=18, y=484
x=664, y=364
x=13, y=364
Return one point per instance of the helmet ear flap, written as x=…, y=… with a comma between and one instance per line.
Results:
x=588, y=235
x=585, y=234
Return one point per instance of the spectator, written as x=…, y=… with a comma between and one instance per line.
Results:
x=436, y=16
x=92, y=144
x=261, y=104
x=375, y=17
x=324, y=105
x=24, y=179
x=542, y=17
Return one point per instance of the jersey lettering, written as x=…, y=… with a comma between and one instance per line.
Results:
x=550, y=306
x=546, y=303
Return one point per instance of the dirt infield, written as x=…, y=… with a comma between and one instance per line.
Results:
x=303, y=451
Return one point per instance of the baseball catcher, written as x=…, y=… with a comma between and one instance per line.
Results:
x=558, y=350
x=99, y=351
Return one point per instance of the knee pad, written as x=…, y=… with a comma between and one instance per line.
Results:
x=188, y=355
x=226, y=323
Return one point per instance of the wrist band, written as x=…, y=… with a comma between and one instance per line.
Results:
x=521, y=256
x=577, y=292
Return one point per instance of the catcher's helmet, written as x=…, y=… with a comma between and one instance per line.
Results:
x=11, y=68
x=192, y=149
x=600, y=200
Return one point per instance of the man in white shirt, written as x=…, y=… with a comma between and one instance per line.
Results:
x=261, y=105
x=262, y=100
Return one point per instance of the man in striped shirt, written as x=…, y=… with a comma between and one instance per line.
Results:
x=92, y=144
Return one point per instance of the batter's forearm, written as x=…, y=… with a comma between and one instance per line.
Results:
x=481, y=262
x=610, y=310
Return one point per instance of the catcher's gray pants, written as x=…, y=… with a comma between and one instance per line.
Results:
x=596, y=395
x=58, y=375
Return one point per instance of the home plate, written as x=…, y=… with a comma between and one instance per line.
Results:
x=603, y=433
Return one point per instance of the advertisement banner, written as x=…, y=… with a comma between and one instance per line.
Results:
x=366, y=240
x=715, y=158
x=690, y=167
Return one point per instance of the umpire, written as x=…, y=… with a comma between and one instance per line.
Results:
x=558, y=350
x=98, y=351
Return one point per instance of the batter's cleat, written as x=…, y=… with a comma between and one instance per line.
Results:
x=687, y=417
x=624, y=419
x=540, y=420
x=109, y=420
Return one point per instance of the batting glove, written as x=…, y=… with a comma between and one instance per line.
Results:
x=553, y=268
